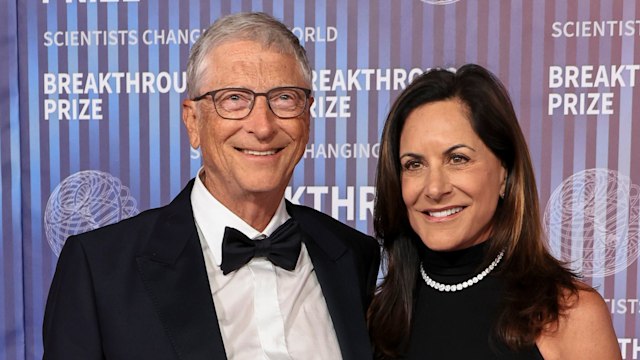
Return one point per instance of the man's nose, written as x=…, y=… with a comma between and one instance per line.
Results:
x=261, y=121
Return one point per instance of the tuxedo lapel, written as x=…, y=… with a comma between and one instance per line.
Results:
x=335, y=269
x=173, y=271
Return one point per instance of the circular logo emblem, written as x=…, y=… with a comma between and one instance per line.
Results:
x=85, y=201
x=593, y=222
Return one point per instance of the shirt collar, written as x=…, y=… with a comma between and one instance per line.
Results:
x=212, y=217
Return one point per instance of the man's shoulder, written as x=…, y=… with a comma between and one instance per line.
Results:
x=335, y=237
x=128, y=234
x=141, y=221
x=139, y=228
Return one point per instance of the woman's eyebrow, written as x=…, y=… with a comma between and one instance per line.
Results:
x=450, y=149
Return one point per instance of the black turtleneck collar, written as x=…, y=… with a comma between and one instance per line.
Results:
x=458, y=262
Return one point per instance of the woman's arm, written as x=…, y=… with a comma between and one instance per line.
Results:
x=583, y=332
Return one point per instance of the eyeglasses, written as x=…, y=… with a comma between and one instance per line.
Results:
x=237, y=103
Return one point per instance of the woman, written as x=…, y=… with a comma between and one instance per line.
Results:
x=468, y=275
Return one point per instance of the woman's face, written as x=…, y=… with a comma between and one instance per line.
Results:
x=451, y=181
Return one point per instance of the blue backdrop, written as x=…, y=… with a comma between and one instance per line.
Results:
x=90, y=95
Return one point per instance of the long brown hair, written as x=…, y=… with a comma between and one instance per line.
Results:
x=536, y=282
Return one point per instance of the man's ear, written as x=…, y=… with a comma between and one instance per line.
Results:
x=190, y=118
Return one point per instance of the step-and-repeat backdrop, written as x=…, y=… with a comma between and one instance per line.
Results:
x=90, y=95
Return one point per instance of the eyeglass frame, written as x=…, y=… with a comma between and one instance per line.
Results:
x=212, y=93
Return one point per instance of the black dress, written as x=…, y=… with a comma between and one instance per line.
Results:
x=459, y=325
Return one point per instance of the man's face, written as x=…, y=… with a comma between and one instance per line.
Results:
x=250, y=159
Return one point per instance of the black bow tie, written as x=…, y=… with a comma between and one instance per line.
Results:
x=281, y=248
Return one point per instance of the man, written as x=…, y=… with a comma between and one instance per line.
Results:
x=180, y=282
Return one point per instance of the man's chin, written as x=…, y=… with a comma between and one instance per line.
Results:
x=264, y=187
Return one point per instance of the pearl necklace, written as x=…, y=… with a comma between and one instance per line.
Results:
x=463, y=285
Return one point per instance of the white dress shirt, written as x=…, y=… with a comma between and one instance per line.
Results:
x=264, y=312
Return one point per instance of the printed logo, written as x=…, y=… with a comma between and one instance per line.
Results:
x=85, y=201
x=593, y=222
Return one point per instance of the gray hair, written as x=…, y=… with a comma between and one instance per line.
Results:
x=255, y=26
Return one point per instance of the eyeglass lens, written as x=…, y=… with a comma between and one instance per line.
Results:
x=285, y=102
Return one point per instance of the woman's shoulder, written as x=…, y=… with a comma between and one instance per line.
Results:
x=583, y=331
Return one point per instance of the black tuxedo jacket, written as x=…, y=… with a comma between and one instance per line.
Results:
x=138, y=289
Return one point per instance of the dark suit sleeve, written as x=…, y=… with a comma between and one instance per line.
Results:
x=369, y=260
x=71, y=324
x=374, y=268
